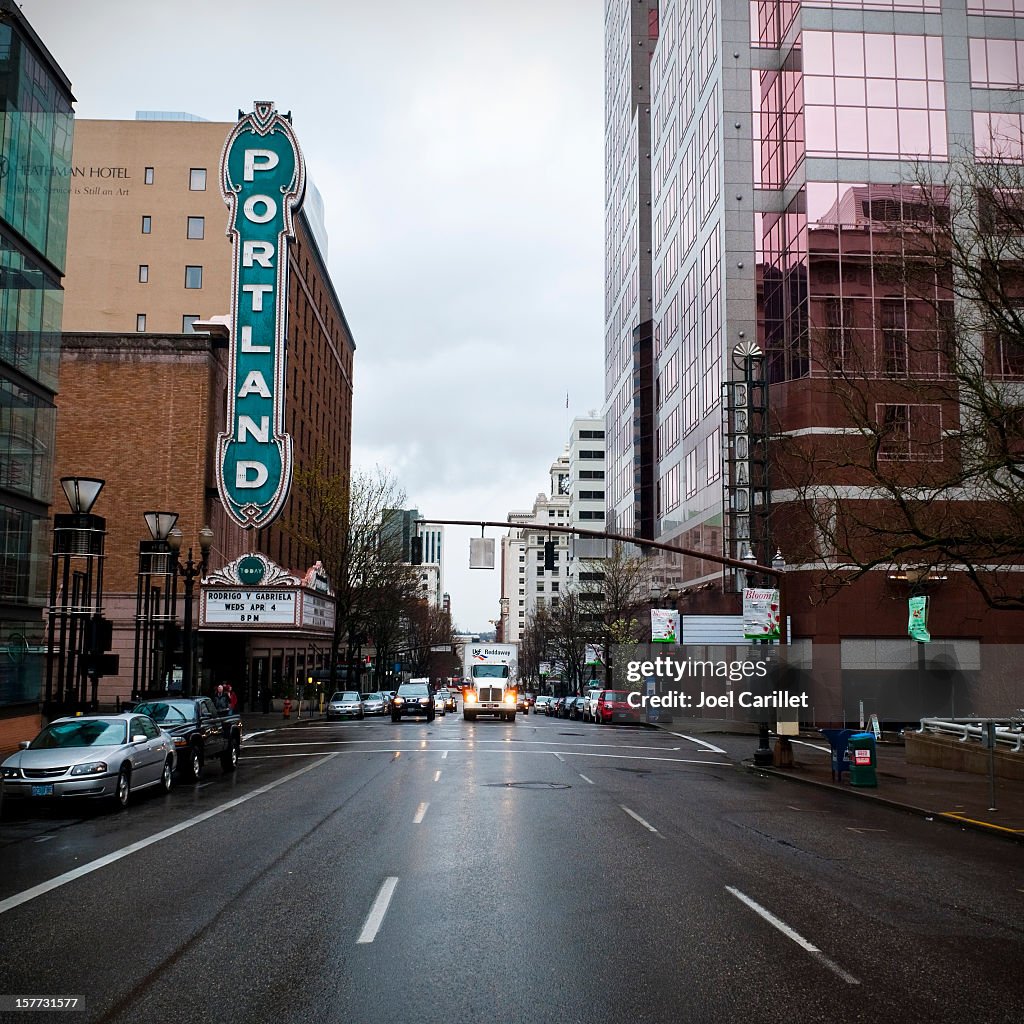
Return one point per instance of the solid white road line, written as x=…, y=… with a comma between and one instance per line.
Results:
x=421, y=813
x=701, y=743
x=471, y=750
x=636, y=817
x=559, y=756
x=505, y=742
x=437, y=774
x=795, y=936
x=585, y=779
x=380, y=907
x=94, y=865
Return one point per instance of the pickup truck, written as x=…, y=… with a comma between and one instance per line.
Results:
x=199, y=731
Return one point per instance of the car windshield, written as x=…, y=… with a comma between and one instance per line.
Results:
x=413, y=690
x=349, y=695
x=87, y=732
x=614, y=695
x=372, y=696
x=167, y=712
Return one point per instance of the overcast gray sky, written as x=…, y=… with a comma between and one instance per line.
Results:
x=458, y=146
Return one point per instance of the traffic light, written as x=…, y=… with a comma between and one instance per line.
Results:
x=416, y=550
x=549, y=556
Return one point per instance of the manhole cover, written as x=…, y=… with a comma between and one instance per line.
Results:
x=528, y=785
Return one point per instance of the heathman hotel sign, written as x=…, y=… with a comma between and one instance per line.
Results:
x=263, y=180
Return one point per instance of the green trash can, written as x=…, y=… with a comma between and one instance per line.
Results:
x=863, y=759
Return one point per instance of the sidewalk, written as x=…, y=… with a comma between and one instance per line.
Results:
x=961, y=798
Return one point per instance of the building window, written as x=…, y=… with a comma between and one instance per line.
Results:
x=148, y=178
x=196, y=227
x=894, y=335
x=187, y=321
x=147, y=224
x=909, y=433
x=140, y=321
x=143, y=273
x=193, y=277
x=587, y=514
x=197, y=179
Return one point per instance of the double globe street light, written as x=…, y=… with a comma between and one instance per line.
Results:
x=157, y=605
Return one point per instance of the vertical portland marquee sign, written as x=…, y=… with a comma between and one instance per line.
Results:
x=263, y=180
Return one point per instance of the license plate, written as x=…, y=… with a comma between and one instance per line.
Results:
x=44, y=790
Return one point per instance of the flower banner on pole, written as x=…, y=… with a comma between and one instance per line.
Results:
x=760, y=613
x=664, y=626
x=917, y=627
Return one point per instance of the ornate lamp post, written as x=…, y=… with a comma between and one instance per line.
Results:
x=155, y=602
x=76, y=595
x=189, y=570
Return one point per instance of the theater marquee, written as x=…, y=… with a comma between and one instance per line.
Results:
x=254, y=593
x=263, y=180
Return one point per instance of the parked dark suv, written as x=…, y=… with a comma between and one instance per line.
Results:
x=412, y=699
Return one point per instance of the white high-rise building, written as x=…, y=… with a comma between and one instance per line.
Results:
x=526, y=586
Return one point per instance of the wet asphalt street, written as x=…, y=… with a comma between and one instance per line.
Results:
x=556, y=871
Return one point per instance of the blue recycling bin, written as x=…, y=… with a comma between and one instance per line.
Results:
x=839, y=740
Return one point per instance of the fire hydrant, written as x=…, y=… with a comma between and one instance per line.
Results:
x=287, y=707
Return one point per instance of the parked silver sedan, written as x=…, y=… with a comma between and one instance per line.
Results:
x=97, y=756
x=375, y=704
x=345, y=704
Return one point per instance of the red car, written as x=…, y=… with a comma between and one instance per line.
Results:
x=614, y=706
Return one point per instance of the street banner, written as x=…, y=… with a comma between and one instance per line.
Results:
x=760, y=613
x=593, y=656
x=917, y=627
x=664, y=626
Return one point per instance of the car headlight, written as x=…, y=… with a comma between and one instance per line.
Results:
x=510, y=698
x=424, y=700
x=93, y=768
x=180, y=741
x=12, y=773
x=399, y=700
x=470, y=697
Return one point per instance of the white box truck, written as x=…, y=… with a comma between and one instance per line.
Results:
x=490, y=679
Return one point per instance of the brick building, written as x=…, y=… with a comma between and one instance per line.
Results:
x=143, y=396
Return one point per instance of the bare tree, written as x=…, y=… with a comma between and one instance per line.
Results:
x=338, y=516
x=925, y=464
x=617, y=590
x=427, y=628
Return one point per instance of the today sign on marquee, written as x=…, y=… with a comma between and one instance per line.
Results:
x=263, y=181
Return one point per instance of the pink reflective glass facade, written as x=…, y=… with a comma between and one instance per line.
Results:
x=997, y=63
x=873, y=95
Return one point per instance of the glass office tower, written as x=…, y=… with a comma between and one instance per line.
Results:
x=35, y=176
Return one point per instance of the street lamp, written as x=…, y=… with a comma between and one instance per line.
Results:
x=189, y=570
x=76, y=582
x=155, y=600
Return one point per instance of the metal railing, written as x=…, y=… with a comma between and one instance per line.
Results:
x=1008, y=732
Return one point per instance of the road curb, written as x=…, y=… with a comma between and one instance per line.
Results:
x=947, y=817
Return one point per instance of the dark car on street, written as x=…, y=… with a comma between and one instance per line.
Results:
x=412, y=699
x=199, y=730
